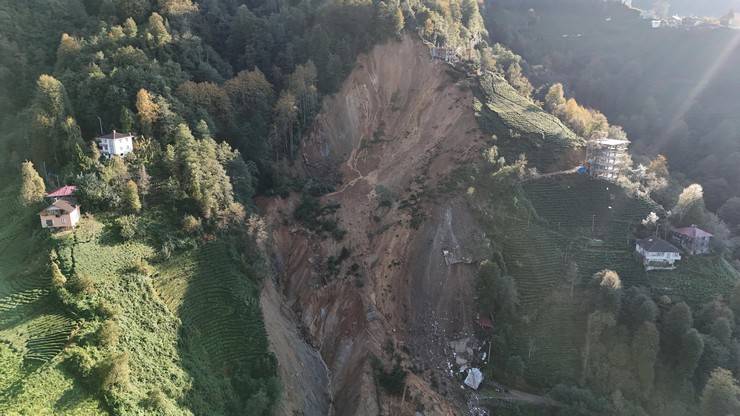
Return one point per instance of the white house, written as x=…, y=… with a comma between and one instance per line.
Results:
x=60, y=214
x=116, y=144
x=657, y=254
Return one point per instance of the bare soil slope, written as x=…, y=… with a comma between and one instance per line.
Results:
x=400, y=123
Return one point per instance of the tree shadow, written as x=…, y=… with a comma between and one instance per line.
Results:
x=222, y=340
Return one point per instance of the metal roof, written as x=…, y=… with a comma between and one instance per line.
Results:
x=693, y=232
x=66, y=190
x=656, y=245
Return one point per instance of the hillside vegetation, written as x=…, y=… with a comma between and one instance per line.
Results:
x=525, y=126
x=673, y=90
x=552, y=236
x=34, y=327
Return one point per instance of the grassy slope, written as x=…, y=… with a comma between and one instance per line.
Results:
x=185, y=328
x=183, y=346
x=553, y=252
x=149, y=332
x=33, y=327
x=222, y=328
x=525, y=126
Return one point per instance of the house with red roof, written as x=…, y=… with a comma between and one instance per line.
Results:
x=692, y=239
x=65, y=191
x=64, y=212
x=61, y=214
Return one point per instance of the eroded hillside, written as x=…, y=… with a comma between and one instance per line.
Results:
x=396, y=130
x=396, y=279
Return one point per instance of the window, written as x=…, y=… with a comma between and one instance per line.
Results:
x=49, y=223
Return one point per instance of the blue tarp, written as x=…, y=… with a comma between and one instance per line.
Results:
x=581, y=170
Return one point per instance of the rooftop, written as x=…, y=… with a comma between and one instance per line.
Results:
x=656, y=245
x=115, y=135
x=66, y=190
x=609, y=142
x=60, y=205
x=693, y=232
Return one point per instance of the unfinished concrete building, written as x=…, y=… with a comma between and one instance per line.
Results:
x=606, y=158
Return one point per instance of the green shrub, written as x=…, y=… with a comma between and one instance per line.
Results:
x=385, y=196
x=127, y=226
x=393, y=381
x=108, y=334
x=80, y=362
x=81, y=283
x=107, y=310
x=191, y=224
x=57, y=277
x=114, y=373
x=157, y=401
x=317, y=218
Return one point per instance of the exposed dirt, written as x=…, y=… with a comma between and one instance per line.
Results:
x=304, y=376
x=403, y=122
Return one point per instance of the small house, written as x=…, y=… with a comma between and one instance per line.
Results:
x=692, y=239
x=61, y=214
x=66, y=192
x=657, y=254
x=116, y=144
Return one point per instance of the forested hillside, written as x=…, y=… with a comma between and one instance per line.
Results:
x=673, y=90
x=415, y=215
x=150, y=305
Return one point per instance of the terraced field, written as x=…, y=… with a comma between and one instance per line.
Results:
x=34, y=329
x=697, y=280
x=222, y=329
x=535, y=258
x=579, y=226
x=504, y=112
x=552, y=345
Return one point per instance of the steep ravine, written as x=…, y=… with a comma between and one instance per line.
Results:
x=401, y=123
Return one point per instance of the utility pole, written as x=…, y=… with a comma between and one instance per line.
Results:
x=101, y=125
x=593, y=224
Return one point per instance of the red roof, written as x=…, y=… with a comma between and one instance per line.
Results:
x=485, y=323
x=693, y=232
x=66, y=190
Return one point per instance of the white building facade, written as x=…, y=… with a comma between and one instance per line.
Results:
x=657, y=254
x=116, y=144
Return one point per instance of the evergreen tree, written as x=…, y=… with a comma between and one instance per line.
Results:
x=645, y=345
x=143, y=182
x=130, y=198
x=721, y=395
x=54, y=132
x=32, y=189
x=691, y=350
x=157, y=34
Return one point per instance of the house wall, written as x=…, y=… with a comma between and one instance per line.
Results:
x=117, y=147
x=699, y=245
x=61, y=221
